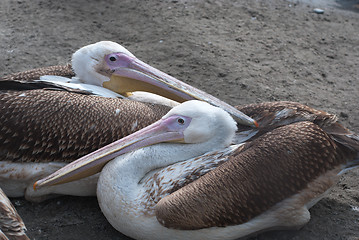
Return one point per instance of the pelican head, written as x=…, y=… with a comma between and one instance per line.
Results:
x=92, y=63
x=192, y=122
x=206, y=122
x=110, y=65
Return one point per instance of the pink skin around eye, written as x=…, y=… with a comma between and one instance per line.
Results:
x=174, y=124
x=122, y=60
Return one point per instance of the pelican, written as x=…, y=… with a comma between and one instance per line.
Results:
x=49, y=121
x=180, y=177
x=11, y=225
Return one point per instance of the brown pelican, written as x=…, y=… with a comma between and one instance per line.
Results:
x=48, y=121
x=11, y=225
x=196, y=185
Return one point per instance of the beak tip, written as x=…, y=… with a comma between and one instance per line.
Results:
x=35, y=186
x=256, y=124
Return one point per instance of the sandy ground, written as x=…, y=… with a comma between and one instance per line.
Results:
x=240, y=51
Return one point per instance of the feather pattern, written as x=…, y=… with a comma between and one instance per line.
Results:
x=34, y=74
x=63, y=126
x=266, y=171
x=271, y=115
x=161, y=183
x=11, y=225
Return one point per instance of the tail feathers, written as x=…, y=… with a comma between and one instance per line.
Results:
x=354, y=163
x=350, y=165
x=343, y=136
x=350, y=141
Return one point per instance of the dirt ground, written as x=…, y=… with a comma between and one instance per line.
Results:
x=240, y=51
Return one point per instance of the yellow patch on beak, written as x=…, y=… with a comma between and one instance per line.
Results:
x=125, y=86
x=177, y=141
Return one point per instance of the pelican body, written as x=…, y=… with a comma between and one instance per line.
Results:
x=185, y=179
x=54, y=115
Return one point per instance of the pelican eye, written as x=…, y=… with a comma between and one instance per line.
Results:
x=180, y=121
x=112, y=59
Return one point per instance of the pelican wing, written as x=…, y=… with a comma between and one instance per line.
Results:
x=264, y=172
x=44, y=125
x=161, y=183
x=34, y=74
x=271, y=115
x=11, y=224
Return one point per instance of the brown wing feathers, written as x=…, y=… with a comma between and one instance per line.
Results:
x=43, y=122
x=43, y=125
x=271, y=115
x=266, y=171
x=34, y=74
x=11, y=224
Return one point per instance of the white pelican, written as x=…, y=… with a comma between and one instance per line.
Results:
x=49, y=121
x=11, y=225
x=195, y=185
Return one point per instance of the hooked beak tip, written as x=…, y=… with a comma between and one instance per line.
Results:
x=35, y=186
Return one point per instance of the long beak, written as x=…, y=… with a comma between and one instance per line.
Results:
x=139, y=76
x=93, y=163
